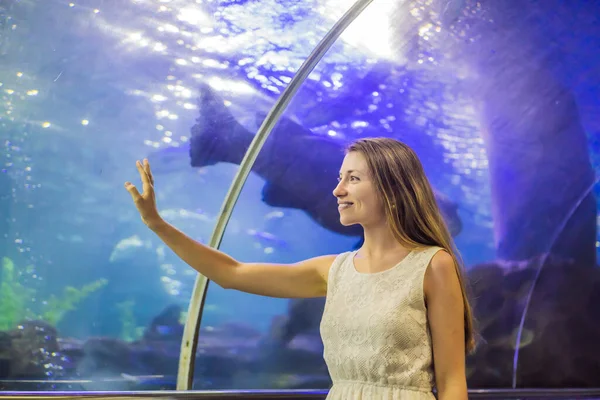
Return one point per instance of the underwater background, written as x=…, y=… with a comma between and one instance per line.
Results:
x=499, y=99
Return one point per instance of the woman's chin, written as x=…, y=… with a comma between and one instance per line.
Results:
x=347, y=222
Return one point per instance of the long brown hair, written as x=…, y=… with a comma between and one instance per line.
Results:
x=411, y=207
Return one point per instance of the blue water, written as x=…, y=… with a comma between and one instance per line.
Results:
x=88, y=87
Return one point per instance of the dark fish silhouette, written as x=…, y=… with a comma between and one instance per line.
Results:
x=299, y=167
x=541, y=174
x=166, y=325
x=533, y=71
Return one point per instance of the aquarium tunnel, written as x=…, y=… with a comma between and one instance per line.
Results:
x=244, y=108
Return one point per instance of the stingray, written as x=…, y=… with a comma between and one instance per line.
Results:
x=300, y=168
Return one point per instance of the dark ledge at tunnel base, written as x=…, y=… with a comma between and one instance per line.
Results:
x=554, y=394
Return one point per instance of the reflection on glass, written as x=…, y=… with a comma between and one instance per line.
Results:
x=499, y=99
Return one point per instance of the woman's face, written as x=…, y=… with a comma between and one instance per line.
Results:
x=358, y=200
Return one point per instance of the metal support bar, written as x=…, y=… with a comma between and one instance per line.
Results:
x=504, y=394
x=190, y=335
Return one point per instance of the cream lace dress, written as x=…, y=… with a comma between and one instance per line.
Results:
x=375, y=331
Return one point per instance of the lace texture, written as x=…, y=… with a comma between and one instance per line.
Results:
x=375, y=331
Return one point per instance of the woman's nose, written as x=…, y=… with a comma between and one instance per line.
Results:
x=339, y=190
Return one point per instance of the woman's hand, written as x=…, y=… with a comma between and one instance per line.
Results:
x=146, y=201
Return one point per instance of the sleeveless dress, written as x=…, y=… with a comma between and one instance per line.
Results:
x=377, y=343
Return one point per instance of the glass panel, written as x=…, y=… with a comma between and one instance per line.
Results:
x=559, y=326
x=502, y=136
x=90, y=298
x=496, y=99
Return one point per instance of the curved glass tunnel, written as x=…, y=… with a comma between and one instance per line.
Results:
x=500, y=101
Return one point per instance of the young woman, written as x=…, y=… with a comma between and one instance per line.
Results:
x=397, y=320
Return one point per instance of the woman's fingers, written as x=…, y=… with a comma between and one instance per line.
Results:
x=146, y=184
x=135, y=195
x=148, y=171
